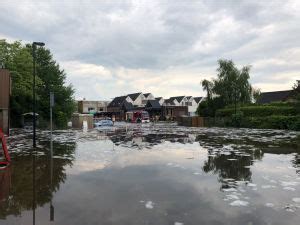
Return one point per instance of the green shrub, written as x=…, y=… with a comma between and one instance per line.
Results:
x=237, y=118
x=259, y=111
x=269, y=122
x=273, y=122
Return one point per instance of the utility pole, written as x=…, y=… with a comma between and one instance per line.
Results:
x=51, y=155
x=34, y=44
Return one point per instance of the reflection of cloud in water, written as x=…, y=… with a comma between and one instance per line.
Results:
x=179, y=169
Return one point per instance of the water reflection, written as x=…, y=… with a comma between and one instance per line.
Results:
x=181, y=170
x=231, y=167
x=25, y=185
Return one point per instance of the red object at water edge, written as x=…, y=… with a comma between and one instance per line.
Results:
x=5, y=151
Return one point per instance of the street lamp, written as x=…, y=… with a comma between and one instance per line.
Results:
x=34, y=45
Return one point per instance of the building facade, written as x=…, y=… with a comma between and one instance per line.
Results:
x=92, y=107
x=189, y=101
x=5, y=91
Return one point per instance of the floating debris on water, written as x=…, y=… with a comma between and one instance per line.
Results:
x=297, y=200
x=239, y=203
x=271, y=205
x=149, y=205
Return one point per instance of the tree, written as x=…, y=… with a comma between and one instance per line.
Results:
x=53, y=80
x=207, y=86
x=231, y=87
x=232, y=84
x=19, y=62
x=256, y=94
x=17, y=59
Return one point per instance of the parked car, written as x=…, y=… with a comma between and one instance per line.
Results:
x=103, y=123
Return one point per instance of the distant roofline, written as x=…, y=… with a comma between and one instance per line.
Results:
x=276, y=91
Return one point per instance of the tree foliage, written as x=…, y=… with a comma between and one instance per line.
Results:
x=231, y=87
x=17, y=58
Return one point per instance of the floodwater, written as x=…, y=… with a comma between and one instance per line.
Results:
x=153, y=174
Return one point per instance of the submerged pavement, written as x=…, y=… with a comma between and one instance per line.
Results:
x=153, y=174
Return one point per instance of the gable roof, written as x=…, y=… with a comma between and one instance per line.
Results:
x=134, y=96
x=169, y=101
x=127, y=105
x=158, y=98
x=178, y=98
x=273, y=96
x=154, y=104
x=197, y=99
x=117, y=101
x=147, y=94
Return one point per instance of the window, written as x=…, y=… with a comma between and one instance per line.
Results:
x=91, y=109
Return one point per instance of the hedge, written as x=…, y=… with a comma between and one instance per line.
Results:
x=259, y=111
x=269, y=122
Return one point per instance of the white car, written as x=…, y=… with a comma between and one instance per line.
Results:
x=103, y=123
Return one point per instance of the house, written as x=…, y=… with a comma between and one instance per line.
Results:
x=92, y=107
x=119, y=106
x=173, y=111
x=193, y=103
x=5, y=92
x=147, y=96
x=198, y=100
x=160, y=100
x=153, y=107
x=179, y=100
x=136, y=99
x=274, y=96
x=189, y=101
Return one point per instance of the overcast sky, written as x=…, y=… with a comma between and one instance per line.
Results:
x=110, y=48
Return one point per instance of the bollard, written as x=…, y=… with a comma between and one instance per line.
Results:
x=5, y=151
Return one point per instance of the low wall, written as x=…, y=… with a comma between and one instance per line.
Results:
x=191, y=121
x=77, y=120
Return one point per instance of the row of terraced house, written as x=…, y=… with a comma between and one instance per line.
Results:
x=157, y=107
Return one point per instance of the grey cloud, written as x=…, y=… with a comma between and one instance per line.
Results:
x=158, y=35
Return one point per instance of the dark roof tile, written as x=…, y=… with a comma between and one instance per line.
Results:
x=134, y=96
x=153, y=104
x=178, y=98
x=197, y=99
x=117, y=101
x=274, y=96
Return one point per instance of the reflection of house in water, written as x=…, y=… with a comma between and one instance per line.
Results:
x=136, y=138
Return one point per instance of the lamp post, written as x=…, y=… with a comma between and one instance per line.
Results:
x=34, y=45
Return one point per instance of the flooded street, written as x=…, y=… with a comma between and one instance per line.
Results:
x=153, y=174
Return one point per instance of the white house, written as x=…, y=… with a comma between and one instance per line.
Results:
x=160, y=100
x=178, y=100
x=147, y=96
x=136, y=99
x=189, y=101
x=193, y=105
